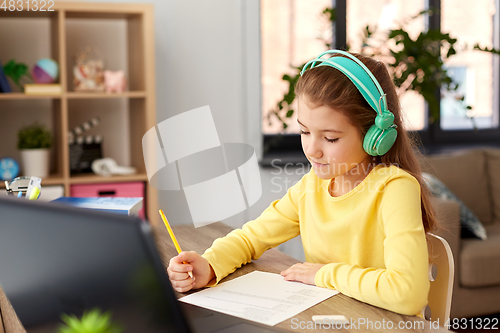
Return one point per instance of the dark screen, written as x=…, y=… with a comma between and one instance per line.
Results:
x=56, y=260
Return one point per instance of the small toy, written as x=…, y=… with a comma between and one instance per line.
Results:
x=115, y=81
x=84, y=149
x=88, y=71
x=107, y=167
x=45, y=71
x=9, y=168
x=27, y=187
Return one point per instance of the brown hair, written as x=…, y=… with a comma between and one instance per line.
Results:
x=325, y=85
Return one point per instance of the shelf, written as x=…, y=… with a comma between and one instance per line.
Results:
x=74, y=95
x=27, y=14
x=78, y=10
x=90, y=95
x=92, y=178
x=50, y=180
x=124, y=35
x=53, y=180
x=22, y=96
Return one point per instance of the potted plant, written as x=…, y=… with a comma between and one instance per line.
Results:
x=34, y=143
x=92, y=321
x=17, y=71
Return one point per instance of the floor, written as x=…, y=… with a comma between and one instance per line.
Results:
x=489, y=323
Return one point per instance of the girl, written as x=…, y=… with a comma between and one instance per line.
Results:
x=362, y=214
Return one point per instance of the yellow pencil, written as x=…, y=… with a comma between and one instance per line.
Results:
x=171, y=233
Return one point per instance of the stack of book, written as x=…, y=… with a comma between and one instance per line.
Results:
x=4, y=84
x=43, y=89
x=127, y=206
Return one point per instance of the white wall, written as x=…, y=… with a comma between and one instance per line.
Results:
x=208, y=53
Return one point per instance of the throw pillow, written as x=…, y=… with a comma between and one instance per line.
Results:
x=471, y=227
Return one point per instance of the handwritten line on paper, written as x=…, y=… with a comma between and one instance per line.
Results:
x=262, y=297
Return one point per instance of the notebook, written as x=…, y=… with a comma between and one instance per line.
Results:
x=119, y=205
x=56, y=259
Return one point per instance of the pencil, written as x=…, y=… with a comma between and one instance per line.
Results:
x=171, y=233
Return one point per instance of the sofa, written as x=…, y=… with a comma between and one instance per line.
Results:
x=473, y=175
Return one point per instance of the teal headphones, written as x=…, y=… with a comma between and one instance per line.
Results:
x=381, y=136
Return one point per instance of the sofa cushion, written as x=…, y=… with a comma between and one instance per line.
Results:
x=469, y=223
x=480, y=260
x=464, y=173
x=493, y=166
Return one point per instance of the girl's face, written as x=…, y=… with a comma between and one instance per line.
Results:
x=330, y=142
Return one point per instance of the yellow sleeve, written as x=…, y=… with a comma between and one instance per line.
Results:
x=403, y=285
x=277, y=224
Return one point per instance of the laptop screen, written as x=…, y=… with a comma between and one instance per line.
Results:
x=58, y=260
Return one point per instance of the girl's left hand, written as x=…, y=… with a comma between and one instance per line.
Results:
x=304, y=273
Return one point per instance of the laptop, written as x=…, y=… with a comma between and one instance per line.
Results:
x=58, y=260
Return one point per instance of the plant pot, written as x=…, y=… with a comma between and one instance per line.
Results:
x=35, y=162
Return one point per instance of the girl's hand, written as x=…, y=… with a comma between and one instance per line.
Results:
x=185, y=262
x=304, y=273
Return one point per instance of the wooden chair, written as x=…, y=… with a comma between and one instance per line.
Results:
x=441, y=275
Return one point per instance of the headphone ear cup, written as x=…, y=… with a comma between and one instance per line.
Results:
x=385, y=140
x=370, y=139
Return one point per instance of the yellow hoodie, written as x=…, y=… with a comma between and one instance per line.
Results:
x=371, y=239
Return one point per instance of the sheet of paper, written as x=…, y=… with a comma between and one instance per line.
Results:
x=262, y=297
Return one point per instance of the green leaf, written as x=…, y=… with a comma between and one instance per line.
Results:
x=34, y=137
x=92, y=321
x=331, y=12
x=16, y=71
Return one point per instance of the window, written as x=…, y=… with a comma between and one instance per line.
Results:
x=290, y=31
x=474, y=70
x=385, y=15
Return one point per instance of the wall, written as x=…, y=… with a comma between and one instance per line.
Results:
x=208, y=53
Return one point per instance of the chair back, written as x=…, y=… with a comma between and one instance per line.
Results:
x=441, y=275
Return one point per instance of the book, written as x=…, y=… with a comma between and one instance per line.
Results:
x=4, y=83
x=42, y=89
x=119, y=205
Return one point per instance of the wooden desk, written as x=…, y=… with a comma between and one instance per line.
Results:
x=274, y=261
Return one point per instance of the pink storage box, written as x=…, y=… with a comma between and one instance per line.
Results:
x=124, y=190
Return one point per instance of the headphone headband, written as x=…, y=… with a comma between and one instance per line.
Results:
x=359, y=75
x=381, y=136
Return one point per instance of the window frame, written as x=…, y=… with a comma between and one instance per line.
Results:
x=286, y=148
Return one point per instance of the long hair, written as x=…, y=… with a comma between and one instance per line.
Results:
x=325, y=85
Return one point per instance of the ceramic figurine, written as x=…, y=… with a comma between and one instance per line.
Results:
x=88, y=71
x=115, y=81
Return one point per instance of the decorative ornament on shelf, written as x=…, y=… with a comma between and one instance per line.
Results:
x=89, y=70
x=45, y=71
x=115, y=81
x=9, y=168
x=29, y=187
x=84, y=149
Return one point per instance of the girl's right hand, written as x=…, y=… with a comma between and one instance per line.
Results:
x=185, y=262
